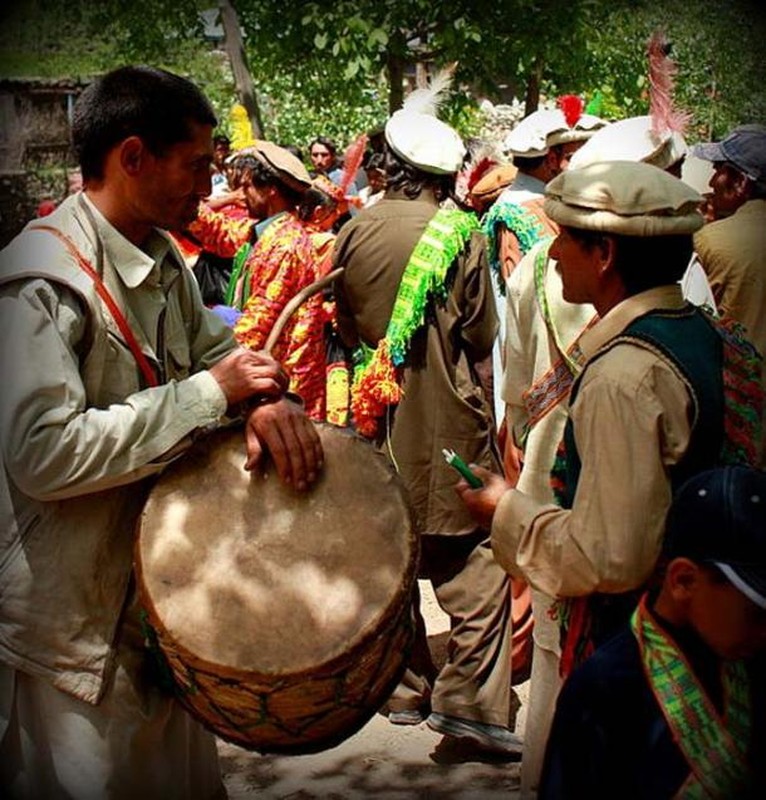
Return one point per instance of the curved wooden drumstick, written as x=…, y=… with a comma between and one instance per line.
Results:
x=294, y=302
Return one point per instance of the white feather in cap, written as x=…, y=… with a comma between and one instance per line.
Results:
x=416, y=135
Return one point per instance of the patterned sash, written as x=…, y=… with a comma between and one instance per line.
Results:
x=714, y=746
x=552, y=387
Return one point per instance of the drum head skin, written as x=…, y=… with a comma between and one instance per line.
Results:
x=280, y=595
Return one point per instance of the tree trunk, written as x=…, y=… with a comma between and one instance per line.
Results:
x=243, y=80
x=532, y=98
x=395, y=67
x=421, y=75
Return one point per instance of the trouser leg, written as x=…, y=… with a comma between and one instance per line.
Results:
x=413, y=692
x=136, y=743
x=475, y=681
x=544, y=686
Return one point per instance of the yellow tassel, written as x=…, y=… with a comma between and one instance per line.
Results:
x=241, y=128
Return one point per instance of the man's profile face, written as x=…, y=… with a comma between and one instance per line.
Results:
x=256, y=198
x=564, y=153
x=728, y=186
x=321, y=157
x=173, y=184
x=221, y=152
x=577, y=266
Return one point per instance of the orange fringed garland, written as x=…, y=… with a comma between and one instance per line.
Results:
x=375, y=388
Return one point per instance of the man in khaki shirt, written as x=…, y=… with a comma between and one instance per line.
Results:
x=110, y=366
x=442, y=405
x=646, y=411
x=732, y=250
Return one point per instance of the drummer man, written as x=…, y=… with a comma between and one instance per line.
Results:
x=106, y=378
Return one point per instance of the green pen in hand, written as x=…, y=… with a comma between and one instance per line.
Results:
x=454, y=460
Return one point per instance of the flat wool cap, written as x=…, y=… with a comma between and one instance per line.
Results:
x=492, y=183
x=541, y=130
x=631, y=139
x=624, y=197
x=425, y=142
x=287, y=167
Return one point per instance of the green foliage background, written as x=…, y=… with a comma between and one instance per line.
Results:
x=322, y=68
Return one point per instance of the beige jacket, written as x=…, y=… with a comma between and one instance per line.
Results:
x=443, y=403
x=80, y=435
x=732, y=252
x=631, y=421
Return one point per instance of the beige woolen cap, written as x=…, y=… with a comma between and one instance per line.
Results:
x=288, y=168
x=631, y=139
x=623, y=197
x=543, y=129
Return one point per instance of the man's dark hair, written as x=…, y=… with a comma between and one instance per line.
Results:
x=291, y=148
x=153, y=104
x=261, y=175
x=644, y=262
x=528, y=163
x=404, y=177
x=313, y=199
x=221, y=138
x=325, y=142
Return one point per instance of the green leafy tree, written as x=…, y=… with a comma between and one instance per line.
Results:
x=340, y=68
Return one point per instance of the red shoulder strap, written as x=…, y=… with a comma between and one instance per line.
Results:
x=146, y=368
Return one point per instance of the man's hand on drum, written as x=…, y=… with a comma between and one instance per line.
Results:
x=282, y=428
x=247, y=373
x=483, y=501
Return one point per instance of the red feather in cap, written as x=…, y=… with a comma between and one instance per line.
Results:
x=352, y=161
x=665, y=117
x=572, y=107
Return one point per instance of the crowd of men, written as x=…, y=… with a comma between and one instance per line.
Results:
x=560, y=314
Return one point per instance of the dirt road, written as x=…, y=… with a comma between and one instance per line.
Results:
x=382, y=760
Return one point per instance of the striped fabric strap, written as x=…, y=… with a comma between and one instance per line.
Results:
x=541, y=268
x=713, y=745
x=119, y=318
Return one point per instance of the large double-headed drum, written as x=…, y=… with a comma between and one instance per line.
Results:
x=284, y=617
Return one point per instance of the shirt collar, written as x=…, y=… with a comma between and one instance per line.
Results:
x=618, y=318
x=527, y=183
x=132, y=264
x=264, y=223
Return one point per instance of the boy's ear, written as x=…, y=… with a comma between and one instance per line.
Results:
x=682, y=577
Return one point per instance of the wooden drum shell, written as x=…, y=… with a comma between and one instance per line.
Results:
x=284, y=617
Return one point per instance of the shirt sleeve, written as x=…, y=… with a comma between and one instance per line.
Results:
x=219, y=233
x=517, y=374
x=628, y=432
x=55, y=446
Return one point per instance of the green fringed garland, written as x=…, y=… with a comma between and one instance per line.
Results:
x=444, y=237
x=424, y=278
x=526, y=227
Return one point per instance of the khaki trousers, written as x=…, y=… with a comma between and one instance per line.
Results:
x=472, y=588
